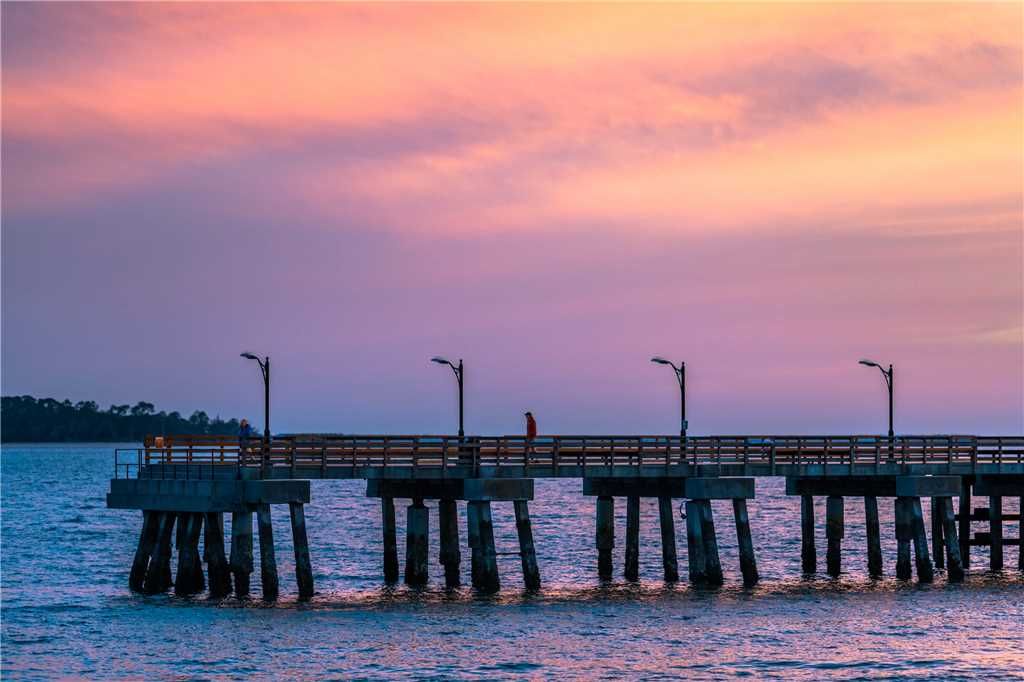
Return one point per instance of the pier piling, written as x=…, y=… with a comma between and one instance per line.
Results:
x=303, y=566
x=416, y=529
x=808, y=553
x=1020, y=535
x=937, y=539
x=631, y=568
x=669, y=560
x=605, y=535
x=147, y=543
x=904, y=535
x=995, y=525
x=268, y=561
x=748, y=563
x=473, y=537
x=834, y=532
x=158, y=577
x=489, y=581
x=965, y=523
x=189, y=579
x=241, y=551
x=712, y=562
x=874, y=536
x=954, y=564
x=695, y=543
x=448, y=530
x=922, y=562
x=387, y=505
x=527, y=551
x=216, y=561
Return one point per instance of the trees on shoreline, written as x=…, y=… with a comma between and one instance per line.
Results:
x=25, y=419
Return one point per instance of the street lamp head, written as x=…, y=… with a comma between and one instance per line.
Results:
x=439, y=360
x=869, y=363
x=660, y=361
x=249, y=356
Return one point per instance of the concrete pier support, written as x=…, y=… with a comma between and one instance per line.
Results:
x=965, y=523
x=527, y=551
x=748, y=563
x=416, y=529
x=904, y=536
x=158, y=577
x=147, y=543
x=268, y=561
x=937, y=539
x=834, y=532
x=712, y=561
x=303, y=566
x=631, y=568
x=487, y=579
x=921, y=560
x=241, y=551
x=695, y=543
x=216, y=561
x=448, y=530
x=954, y=565
x=874, y=536
x=605, y=535
x=669, y=561
x=808, y=553
x=387, y=506
x=995, y=525
x=189, y=579
x=473, y=537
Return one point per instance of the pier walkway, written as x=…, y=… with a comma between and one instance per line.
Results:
x=189, y=482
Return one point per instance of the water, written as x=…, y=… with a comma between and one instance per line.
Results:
x=67, y=611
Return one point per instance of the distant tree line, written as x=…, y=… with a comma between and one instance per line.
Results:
x=24, y=419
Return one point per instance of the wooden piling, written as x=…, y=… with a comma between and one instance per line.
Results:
x=158, y=575
x=147, y=543
x=695, y=543
x=669, y=561
x=631, y=568
x=808, y=553
x=921, y=560
x=937, y=539
x=965, y=523
x=748, y=562
x=387, y=505
x=995, y=526
x=874, y=536
x=954, y=564
x=216, y=561
x=605, y=536
x=904, y=535
x=303, y=565
x=448, y=532
x=268, y=561
x=712, y=561
x=188, y=580
x=241, y=551
x=527, y=551
x=834, y=532
x=489, y=581
x=416, y=529
x=473, y=537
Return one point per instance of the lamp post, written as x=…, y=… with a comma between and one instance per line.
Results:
x=265, y=369
x=887, y=375
x=681, y=378
x=458, y=370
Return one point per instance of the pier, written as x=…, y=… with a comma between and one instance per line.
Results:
x=184, y=486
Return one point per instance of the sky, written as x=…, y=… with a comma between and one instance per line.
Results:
x=553, y=193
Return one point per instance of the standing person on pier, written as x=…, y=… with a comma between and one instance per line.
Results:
x=531, y=432
x=244, y=434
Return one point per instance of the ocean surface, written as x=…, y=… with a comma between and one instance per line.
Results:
x=67, y=611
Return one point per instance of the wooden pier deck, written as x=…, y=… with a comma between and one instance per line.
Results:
x=193, y=481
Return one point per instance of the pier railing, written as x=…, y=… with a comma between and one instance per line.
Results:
x=210, y=455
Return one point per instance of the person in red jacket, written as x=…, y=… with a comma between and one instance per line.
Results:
x=531, y=426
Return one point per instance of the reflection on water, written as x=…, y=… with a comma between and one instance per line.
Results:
x=67, y=610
